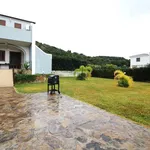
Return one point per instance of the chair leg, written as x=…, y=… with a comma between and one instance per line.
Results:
x=51, y=89
x=58, y=89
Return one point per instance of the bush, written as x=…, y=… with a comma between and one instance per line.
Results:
x=23, y=78
x=81, y=76
x=123, y=80
x=139, y=74
x=105, y=71
x=83, y=72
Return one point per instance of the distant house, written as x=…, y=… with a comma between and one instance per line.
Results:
x=17, y=46
x=140, y=60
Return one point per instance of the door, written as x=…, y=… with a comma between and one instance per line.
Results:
x=15, y=60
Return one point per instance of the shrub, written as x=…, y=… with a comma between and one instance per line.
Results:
x=23, y=78
x=81, y=76
x=123, y=80
x=26, y=65
x=105, y=71
x=83, y=72
x=139, y=74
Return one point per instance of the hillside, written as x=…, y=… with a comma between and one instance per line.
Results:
x=66, y=60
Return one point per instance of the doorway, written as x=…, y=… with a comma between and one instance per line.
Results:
x=15, y=60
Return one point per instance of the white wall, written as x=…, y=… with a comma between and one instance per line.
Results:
x=144, y=60
x=64, y=73
x=43, y=62
x=10, y=22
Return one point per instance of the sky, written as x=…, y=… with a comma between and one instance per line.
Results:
x=91, y=27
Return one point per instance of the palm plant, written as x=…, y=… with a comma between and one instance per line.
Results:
x=83, y=72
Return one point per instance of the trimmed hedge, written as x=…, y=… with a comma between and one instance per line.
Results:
x=23, y=78
x=103, y=72
x=26, y=78
x=65, y=63
x=138, y=74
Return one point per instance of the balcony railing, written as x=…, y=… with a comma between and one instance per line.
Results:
x=15, y=34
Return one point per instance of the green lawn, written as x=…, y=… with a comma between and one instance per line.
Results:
x=132, y=103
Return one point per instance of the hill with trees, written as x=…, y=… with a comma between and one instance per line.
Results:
x=67, y=60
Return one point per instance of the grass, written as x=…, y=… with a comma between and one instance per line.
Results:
x=132, y=103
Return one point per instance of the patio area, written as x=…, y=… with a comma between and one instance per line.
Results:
x=44, y=122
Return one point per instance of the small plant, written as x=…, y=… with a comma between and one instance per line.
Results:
x=83, y=72
x=123, y=80
x=26, y=65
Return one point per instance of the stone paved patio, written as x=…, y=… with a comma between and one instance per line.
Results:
x=44, y=122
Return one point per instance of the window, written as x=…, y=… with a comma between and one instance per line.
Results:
x=2, y=55
x=3, y=22
x=137, y=59
x=18, y=25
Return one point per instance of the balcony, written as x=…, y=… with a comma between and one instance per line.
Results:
x=10, y=33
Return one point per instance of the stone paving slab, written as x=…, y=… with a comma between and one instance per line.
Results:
x=44, y=122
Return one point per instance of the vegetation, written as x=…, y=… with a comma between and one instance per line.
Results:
x=24, y=78
x=66, y=60
x=107, y=71
x=26, y=65
x=123, y=80
x=28, y=78
x=83, y=72
x=132, y=103
x=139, y=74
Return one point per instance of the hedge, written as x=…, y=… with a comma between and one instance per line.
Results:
x=60, y=63
x=138, y=74
x=26, y=78
x=23, y=78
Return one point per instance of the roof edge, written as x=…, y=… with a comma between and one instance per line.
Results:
x=17, y=18
x=144, y=54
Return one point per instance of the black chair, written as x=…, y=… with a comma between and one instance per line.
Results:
x=52, y=81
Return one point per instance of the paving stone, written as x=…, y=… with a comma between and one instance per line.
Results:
x=49, y=122
x=6, y=136
x=82, y=139
x=93, y=145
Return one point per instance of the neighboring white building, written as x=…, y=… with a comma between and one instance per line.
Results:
x=17, y=46
x=140, y=60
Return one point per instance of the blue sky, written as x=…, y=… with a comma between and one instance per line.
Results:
x=91, y=27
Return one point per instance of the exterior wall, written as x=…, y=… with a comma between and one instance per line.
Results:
x=6, y=78
x=144, y=60
x=15, y=34
x=25, y=53
x=9, y=32
x=10, y=22
x=43, y=62
x=64, y=73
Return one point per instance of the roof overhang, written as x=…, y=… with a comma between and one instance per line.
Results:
x=139, y=55
x=17, y=18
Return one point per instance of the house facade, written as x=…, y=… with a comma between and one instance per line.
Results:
x=17, y=46
x=140, y=60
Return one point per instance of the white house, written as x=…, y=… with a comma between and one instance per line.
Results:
x=17, y=46
x=140, y=60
